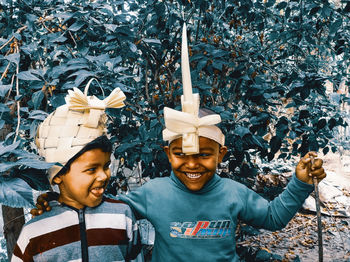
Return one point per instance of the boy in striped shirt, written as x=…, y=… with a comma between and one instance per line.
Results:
x=83, y=225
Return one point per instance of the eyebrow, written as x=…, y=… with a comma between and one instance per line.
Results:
x=206, y=148
x=92, y=164
x=201, y=149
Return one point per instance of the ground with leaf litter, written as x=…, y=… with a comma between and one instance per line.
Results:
x=298, y=241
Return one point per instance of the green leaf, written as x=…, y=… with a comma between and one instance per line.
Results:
x=37, y=98
x=124, y=147
x=219, y=53
x=16, y=193
x=4, y=108
x=151, y=41
x=60, y=39
x=38, y=114
x=14, y=58
x=27, y=75
x=321, y=123
x=111, y=27
x=325, y=150
x=202, y=63
x=314, y=10
x=270, y=3
x=281, y=5
x=4, y=90
x=332, y=123
x=132, y=47
x=275, y=144
x=241, y=131
x=76, y=26
x=9, y=148
x=34, y=163
x=287, y=12
x=81, y=76
x=334, y=27
x=218, y=64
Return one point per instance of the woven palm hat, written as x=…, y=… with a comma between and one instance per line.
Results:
x=73, y=125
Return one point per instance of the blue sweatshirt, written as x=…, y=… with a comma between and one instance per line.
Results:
x=200, y=226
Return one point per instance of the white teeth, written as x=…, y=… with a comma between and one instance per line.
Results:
x=193, y=175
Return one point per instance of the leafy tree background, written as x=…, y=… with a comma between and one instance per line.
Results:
x=262, y=65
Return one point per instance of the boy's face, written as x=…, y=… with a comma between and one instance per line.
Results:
x=194, y=171
x=86, y=180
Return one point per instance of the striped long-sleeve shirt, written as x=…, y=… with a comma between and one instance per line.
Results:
x=107, y=232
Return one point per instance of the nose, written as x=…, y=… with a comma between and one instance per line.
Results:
x=103, y=175
x=192, y=162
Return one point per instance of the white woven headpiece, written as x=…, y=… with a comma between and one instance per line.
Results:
x=187, y=124
x=73, y=125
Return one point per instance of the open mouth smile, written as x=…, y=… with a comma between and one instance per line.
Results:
x=98, y=191
x=193, y=175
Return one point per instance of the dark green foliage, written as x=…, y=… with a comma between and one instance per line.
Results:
x=261, y=65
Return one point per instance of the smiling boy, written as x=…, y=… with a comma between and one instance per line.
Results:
x=194, y=171
x=195, y=212
x=83, y=225
x=85, y=182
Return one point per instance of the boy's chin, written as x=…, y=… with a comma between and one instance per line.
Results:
x=194, y=188
x=94, y=203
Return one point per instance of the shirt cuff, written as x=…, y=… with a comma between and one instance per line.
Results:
x=299, y=187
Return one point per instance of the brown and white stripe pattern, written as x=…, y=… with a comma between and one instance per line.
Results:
x=111, y=231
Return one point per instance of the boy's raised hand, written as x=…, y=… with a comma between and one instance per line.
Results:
x=42, y=205
x=309, y=166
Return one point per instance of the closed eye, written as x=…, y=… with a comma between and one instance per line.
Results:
x=204, y=155
x=179, y=154
x=107, y=166
x=91, y=170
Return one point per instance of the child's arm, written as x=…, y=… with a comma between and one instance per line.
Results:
x=134, y=243
x=276, y=214
x=137, y=200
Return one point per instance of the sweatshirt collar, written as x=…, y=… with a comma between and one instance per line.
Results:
x=207, y=187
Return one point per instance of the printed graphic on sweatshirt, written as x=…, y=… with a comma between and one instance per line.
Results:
x=201, y=229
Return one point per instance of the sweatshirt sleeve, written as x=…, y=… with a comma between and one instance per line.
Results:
x=276, y=214
x=137, y=200
x=134, y=244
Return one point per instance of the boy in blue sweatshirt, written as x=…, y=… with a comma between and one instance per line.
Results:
x=194, y=211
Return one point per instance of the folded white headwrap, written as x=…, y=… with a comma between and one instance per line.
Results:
x=190, y=127
x=187, y=124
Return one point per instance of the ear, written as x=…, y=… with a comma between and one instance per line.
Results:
x=57, y=180
x=167, y=151
x=222, y=153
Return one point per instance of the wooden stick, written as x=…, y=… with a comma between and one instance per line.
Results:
x=318, y=212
